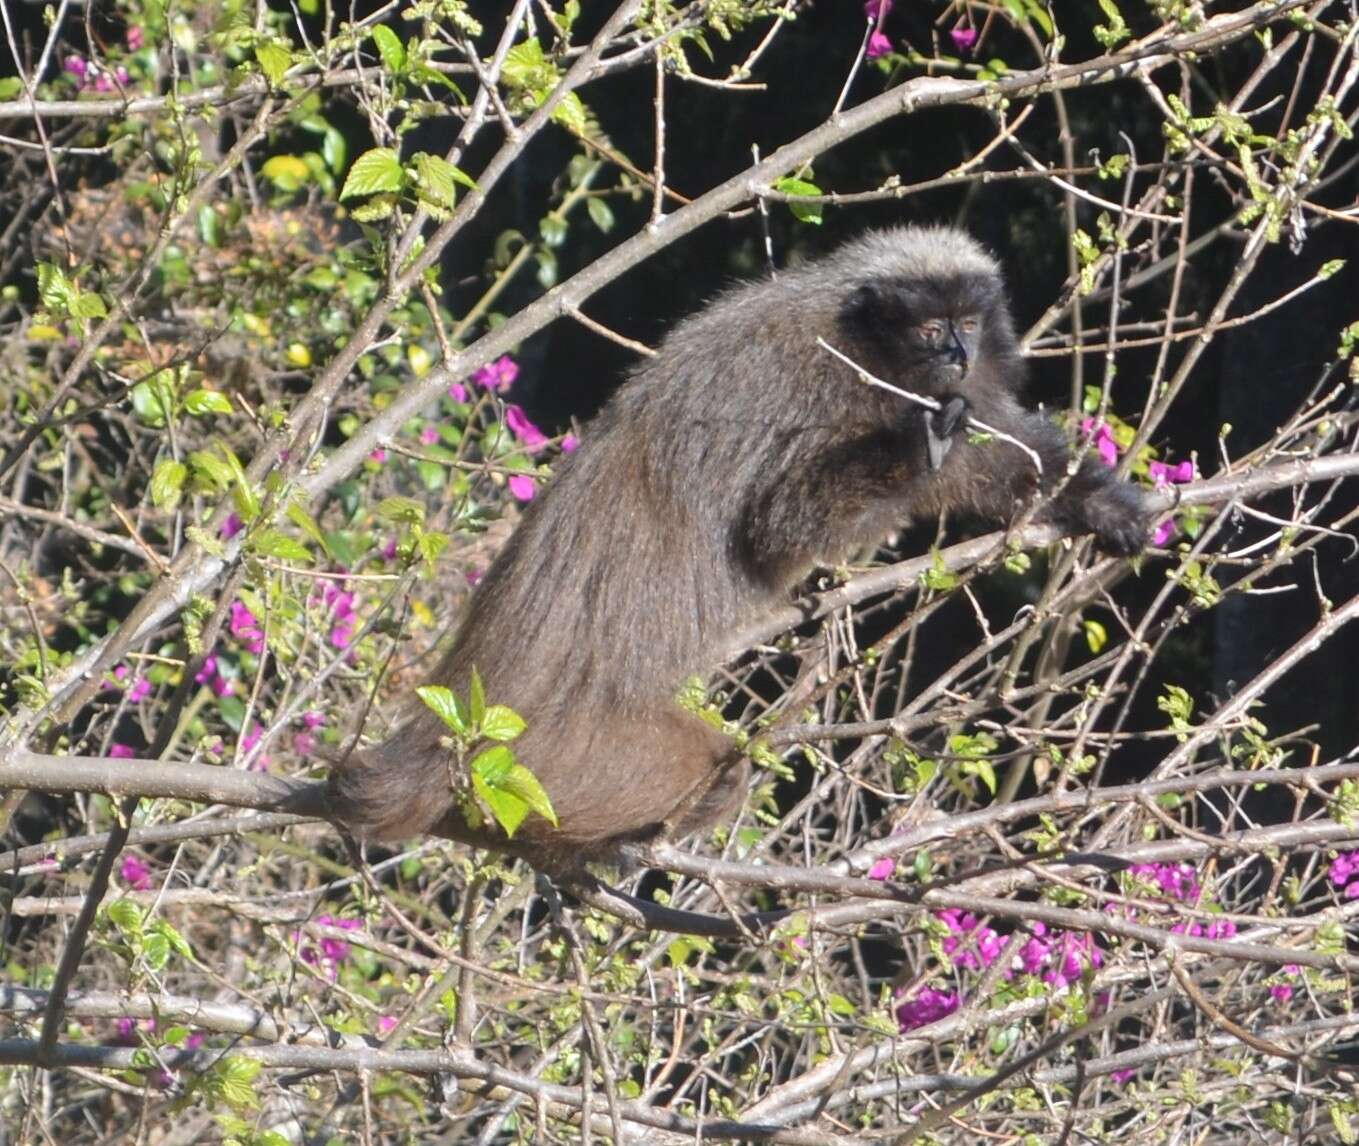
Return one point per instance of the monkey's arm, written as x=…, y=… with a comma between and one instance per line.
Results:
x=991, y=477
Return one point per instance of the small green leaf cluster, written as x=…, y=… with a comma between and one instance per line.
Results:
x=500, y=785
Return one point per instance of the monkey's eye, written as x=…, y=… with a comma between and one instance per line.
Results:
x=930, y=331
x=969, y=325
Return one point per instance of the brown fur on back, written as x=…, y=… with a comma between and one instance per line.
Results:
x=718, y=475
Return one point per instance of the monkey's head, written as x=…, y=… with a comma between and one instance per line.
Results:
x=930, y=303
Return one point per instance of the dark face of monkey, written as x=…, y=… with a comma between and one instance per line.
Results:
x=721, y=472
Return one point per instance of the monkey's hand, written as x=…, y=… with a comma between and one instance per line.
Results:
x=1116, y=512
x=940, y=427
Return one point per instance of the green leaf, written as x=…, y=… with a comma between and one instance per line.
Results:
x=524, y=784
x=376, y=170
x=508, y=809
x=156, y=951
x=202, y=401
x=304, y=521
x=389, y=48
x=334, y=150
x=286, y=172
x=477, y=700
x=501, y=723
x=167, y=482
x=445, y=706
x=88, y=304
x=274, y=60
x=401, y=510
x=1096, y=636
x=493, y=766
x=54, y=288
x=10, y=87
x=211, y=470
x=601, y=214
x=571, y=114
x=377, y=208
x=126, y=916
x=148, y=400
x=803, y=212
x=272, y=543
x=236, y=1076
x=434, y=182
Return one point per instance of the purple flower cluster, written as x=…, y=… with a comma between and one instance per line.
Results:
x=1174, y=880
x=1059, y=958
x=497, y=376
x=121, y=751
x=245, y=627
x=1101, y=435
x=212, y=677
x=138, y=690
x=304, y=742
x=928, y=1006
x=1344, y=870
x=133, y=871
x=89, y=76
x=340, y=601
x=331, y=952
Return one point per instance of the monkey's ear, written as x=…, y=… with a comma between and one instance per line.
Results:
x=867, y=307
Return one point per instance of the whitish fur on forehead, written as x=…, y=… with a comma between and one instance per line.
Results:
x=917, y=252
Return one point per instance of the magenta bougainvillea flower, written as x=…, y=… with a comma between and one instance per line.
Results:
x=522, y=486
x=878, y=45
x=1102, y=435
x=878, y=10
x=927, y=1006
x=134, y=872
x=498, y=375
x=520, y=426
x=570, y=444
x=245, y=627
x=964, y=38
x=883, y=869
x=121, y=751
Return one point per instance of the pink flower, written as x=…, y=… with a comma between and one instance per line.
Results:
x=313, y=720
x=475, y=575
x=379, y=455
x=521, y=485
x=245, y=627
x=135, y=39
x=458, y=392
x=133, y=872
x=1163, y=474
x=251, y=738
x=878, y=10
x=498, y=375
x=429, y=434
x=386, y=1024
x=1119, y=1077
x=120, y=74
x=1176, y=881
x=140, y=690
x=304, y=743
x=570, y=444
x=878, y=45
x=883, y=869
x=523, y=429
x=76, y=66
x=1281, y=992
x=332, y=952
x=1103, y=437
x=388, y=551
x=964, y=38
x=1344, y=867
x=927, y=1007
x=1163, y=532
x=232, y=526
x=341, y=603
x=121, y=752
x=195, y=1040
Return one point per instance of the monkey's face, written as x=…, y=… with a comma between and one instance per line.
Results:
x=930, y=333
x=946, y=344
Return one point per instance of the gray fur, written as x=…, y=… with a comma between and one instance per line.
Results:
x=715, y=479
